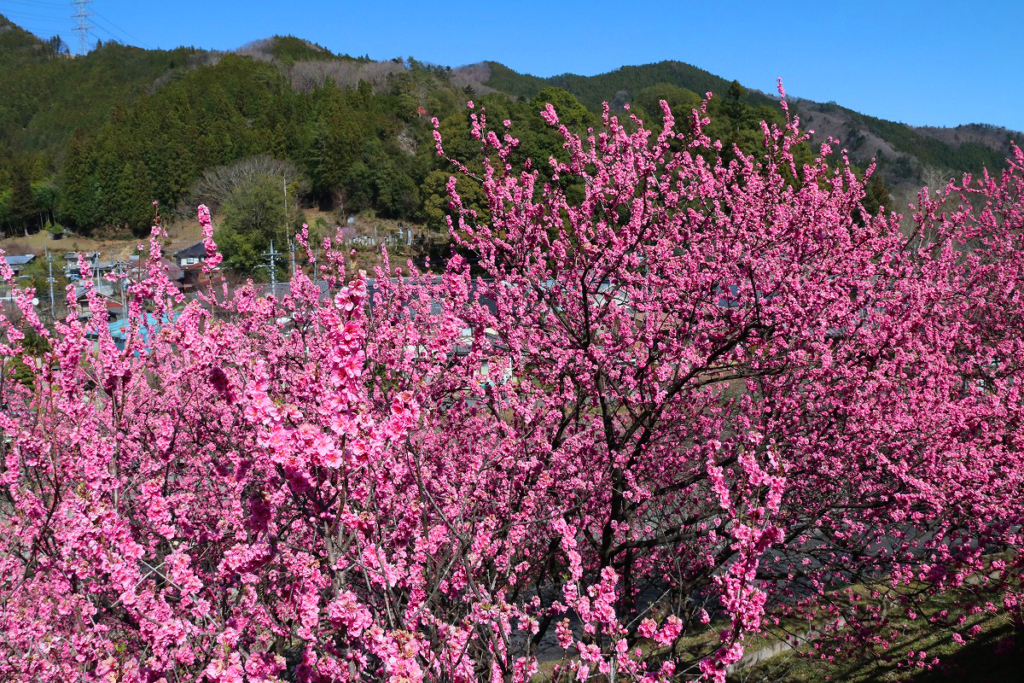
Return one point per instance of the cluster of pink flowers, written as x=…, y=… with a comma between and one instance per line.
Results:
x=213, y=257
x=717, y=393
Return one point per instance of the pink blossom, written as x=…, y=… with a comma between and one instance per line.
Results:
x=724, y=380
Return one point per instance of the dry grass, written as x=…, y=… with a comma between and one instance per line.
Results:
x=181, y=234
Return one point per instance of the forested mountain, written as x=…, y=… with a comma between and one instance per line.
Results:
x=907, y=156
x=616, y=87
x=90, y=142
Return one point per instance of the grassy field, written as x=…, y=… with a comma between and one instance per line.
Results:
x=984, y=658
x=993, y=654
x=990, y=655
x=181, y=233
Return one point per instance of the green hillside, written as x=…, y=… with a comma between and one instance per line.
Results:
x=593, y=91
x=969, y=156
x=90, y=142
x=45, y=94
x=904, y=155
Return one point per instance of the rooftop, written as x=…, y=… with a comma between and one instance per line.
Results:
x=197, y=250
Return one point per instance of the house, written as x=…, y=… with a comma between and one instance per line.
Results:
x=468, y=335
x=71, y=269
x=174, y=272
x=72, y=256
x=115, y=309
x=194, y=278
x=101, y=286
x=374, y=294
x=191, y=255
x=18, y=263
x=102, y=268
x=137, y=270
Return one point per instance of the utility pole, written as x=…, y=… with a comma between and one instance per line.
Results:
x=123, y=282
x=291, y=245
x=272, y=265
x=51, y=281
x=273, y=270
x=82, y=24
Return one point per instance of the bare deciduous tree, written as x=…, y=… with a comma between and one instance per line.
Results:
x=218, y=182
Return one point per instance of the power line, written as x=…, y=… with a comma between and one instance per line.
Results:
x=36, y=5
x=120, y=30
x=41, y=32
x=20, y=16
x=82, y=26
x=110, y=36
x=45, y=34
x=41, y=25
x=98, y=37
x=115, y=36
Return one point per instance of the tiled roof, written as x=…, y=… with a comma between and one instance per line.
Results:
x=197, y=250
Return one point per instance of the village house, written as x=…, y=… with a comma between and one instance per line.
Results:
x=137, y=270
x=18, y=263
x=190, y=256
x=71, y=268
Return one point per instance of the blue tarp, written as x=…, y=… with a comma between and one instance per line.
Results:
x=119, y=329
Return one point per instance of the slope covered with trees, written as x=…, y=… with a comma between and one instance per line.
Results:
x=592, y=91
x=358, y=130
x=906, y=156
x=91, y=142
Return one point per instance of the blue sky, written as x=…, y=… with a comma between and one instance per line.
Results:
x=923, y=63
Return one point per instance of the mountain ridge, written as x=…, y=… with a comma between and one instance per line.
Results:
x=134, y=121
x=907, y=154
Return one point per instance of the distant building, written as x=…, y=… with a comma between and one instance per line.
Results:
x=18, y=263
x=138, y=270
x=191, y=255
x=104, y=267
x=71, y=269
x=194, y=278
x=115, y=309
x=174, y=272
x=89, y=256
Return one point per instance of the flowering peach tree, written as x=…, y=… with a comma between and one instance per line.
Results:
x=677, y=395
